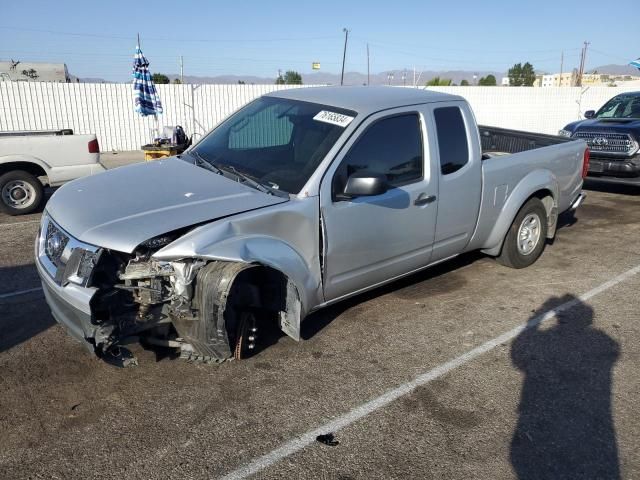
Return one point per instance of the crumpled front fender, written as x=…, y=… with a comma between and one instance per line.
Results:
x=283, y=237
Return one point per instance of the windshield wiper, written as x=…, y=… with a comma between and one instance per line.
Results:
x=202, y=162
x=254, y=183
x=221, y=169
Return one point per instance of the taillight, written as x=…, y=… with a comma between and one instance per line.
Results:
x=585, y=162
x=94, y=147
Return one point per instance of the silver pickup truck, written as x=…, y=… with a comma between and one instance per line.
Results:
x=299, y=200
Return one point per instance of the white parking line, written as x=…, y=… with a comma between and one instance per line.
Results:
x=19, y=223
x=386, y=398
x=19, y=292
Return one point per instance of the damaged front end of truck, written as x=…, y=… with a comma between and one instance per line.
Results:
x=204, y=309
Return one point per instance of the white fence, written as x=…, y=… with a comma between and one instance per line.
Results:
x=107, y=109
x=544, y=110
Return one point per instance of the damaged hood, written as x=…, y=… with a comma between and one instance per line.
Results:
x=121, y=208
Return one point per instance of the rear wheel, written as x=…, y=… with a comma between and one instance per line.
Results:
x=20, y=193
x=526, y=237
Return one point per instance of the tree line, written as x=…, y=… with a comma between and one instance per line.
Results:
x=520, y=75
x=290, y=77
x=488, y=81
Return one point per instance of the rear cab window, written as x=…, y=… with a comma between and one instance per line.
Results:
x=452, y=139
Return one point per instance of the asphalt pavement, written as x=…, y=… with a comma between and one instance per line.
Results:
x=434, y=376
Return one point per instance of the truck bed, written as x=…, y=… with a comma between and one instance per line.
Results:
x=499, y=141
x=33, y=133
x=58, y=156
x=510, y=156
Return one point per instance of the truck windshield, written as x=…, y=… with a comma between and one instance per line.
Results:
x=622, y=106
x=276, y=142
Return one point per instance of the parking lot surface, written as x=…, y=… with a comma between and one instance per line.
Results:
x=559, y=399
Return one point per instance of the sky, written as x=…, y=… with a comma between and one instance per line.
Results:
x=97, y=38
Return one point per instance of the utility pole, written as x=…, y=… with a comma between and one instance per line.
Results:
x=583, y=60
x=344, y=54
x=368, y=65
x=561, y=66
x=579, y=74
x=181, y=70
x=404, y=77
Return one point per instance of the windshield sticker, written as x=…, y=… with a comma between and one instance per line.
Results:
x=333, y=118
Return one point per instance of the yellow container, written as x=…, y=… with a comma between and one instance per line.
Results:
x=152, y=152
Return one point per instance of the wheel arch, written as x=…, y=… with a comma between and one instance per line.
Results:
x=29, y=164
x=271, y=255
x=266, y=287
x=540, y=184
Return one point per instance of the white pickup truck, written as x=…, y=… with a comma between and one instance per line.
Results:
x=31, y=160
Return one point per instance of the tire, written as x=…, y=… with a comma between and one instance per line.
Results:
x=245, y=336
x=20, y=193
x=527, y=236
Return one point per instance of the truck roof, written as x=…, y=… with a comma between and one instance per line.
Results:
x=364, y=100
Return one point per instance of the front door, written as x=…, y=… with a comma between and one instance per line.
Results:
x=370, y=239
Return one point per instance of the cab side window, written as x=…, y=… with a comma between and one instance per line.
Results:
x=452, y=139
x=391, y=146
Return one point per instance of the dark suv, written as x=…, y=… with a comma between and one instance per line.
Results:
x=613, y=135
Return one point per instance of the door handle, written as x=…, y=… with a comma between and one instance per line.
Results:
x=424, y=199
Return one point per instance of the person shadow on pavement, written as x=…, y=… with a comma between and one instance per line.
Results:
x=565, y=427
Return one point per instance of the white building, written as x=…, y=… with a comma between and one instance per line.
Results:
x=16, y=71
x=569, y=79
x=556, y=80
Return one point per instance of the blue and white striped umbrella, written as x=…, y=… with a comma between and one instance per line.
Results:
x=635, y=63
x=146, y=98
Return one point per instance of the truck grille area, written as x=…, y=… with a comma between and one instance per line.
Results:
x=609, y=143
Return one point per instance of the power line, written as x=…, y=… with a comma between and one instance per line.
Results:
x=152, y=57
x=441, y=48
x=626, y=59
x=458, y=62
x=167, y=39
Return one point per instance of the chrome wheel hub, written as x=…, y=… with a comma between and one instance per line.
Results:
x=529, y=234
x=18, y=194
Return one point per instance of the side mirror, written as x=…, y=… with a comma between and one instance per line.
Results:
x=589, y=114
x=365, y=184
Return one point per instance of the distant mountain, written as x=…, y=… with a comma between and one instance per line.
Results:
x=382, y=78
x=616, y=70
x=350, y=78
x=74, y=79
x=224, y=79
x=94, y=80
x=357, y=78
